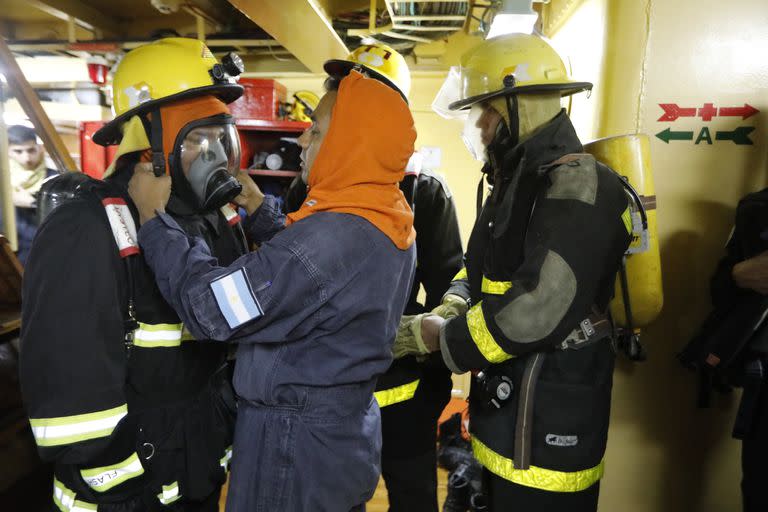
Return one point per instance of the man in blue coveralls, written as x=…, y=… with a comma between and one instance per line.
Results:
x=314, y=311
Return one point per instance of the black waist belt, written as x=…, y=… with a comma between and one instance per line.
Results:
x=591, y=330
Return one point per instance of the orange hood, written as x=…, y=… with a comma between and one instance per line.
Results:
x=362, y=159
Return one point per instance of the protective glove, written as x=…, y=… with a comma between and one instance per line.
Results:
x=452, y=306
x=409, y=340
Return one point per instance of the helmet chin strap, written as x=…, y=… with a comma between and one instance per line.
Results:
x=514, y=119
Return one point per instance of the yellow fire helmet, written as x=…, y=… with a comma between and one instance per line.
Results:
x=512, y=64
x=163, y=71
x=378, y=61
x=304, y=104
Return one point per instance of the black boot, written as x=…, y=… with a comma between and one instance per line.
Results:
x=478, y=503
x=457, y=499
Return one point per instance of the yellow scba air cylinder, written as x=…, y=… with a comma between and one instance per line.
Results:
x=630, y=156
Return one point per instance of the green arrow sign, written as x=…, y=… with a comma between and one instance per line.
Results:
x=668, y=135
x=739, y=136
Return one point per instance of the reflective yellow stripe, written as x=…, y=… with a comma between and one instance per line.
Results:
x=66, y=500
x=396, y=395
x=159, y=335
x=104, y=478
x=80, y=427
x=538, y=478
x=170, y=494
x=461, y=275
x=482, y=336
x=495, y=287
x=627, y=218
x=226, y=458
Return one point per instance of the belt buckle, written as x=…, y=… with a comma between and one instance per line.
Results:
x=579, y=336
x=587, y=328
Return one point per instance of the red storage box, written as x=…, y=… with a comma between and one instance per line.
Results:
x=262, y=99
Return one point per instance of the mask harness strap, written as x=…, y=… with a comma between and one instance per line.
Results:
x=156, y=140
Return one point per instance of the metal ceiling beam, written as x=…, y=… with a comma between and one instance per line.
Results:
x=429, y=18
x=300, y=26
x=416, y=28
x=113, y=46
x=407, y=37
x=84, y=15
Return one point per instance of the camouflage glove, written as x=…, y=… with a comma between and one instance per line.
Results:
x=452, y=306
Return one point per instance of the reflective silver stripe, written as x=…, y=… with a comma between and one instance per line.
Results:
x=80, y=427
x=158, y=335
x=226, y=458
x=66, y=500
x=104, y=478
x=170, y=494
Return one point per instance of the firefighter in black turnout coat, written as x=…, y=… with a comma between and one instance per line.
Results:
x=135, y=414
x=540, y=270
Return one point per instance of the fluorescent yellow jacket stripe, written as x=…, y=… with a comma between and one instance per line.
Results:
x=626, y=217
x=104, y=478
x=538, y=478
x=462, y=274
x=170, y=494
x=158, y=335
x=482, y=336
x=67, y=501
x=495, y=287
x=80, y=427
x=396, y=395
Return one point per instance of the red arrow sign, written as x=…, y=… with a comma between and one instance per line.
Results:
x=672, y=111
x=744, y=112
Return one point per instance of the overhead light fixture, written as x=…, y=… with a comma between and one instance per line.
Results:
x=514, y=17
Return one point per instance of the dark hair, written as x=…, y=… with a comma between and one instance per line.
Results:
x=332, y=83
x=18, y=134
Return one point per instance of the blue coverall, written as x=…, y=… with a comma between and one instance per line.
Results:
x=317, y=312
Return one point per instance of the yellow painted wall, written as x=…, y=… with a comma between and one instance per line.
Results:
x=663, y=454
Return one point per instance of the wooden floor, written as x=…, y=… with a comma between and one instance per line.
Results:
x=379, y=501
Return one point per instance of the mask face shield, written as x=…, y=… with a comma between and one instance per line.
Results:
x=472, y=133
x=209, y=158
x=449, y=92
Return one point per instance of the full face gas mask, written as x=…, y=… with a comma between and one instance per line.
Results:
x=205, y=161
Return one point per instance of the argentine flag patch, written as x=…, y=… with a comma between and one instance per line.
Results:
x=236, y=299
